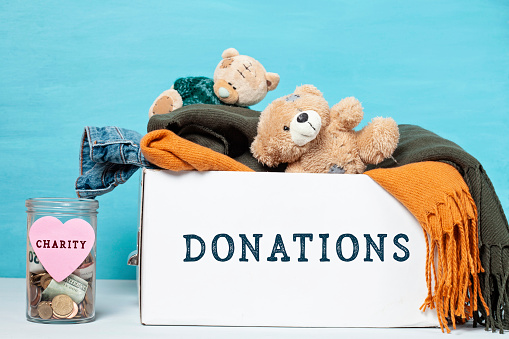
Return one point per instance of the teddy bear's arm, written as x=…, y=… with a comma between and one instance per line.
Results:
x=346, y=114
x=377, y=140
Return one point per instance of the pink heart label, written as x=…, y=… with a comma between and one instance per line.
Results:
x=61, y=248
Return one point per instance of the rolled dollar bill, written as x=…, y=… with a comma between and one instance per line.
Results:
x=85, y=271
x=73, y=286
x=34, y=265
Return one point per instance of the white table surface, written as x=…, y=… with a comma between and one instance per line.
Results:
x=117, y=317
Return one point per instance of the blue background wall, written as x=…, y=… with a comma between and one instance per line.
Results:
x=443, y=65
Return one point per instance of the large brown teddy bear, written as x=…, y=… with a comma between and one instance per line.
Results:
x=301, y=130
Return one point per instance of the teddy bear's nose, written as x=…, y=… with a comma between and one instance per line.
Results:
x=223, y=92
x=303, y=117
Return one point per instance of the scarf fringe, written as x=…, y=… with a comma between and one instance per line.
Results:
x=495, y=289
x=452, y=260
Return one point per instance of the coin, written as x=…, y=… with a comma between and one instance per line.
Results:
x=56, y=316
x=85, y=264
x=81, y=310
x=89, y=296
x=74, y=311
x=33, y=312
x=89, y=302
x=89, y=308
x=35, y=295
x=62, y=305
x=45, y=280
x=45, y=310
x=35, y=279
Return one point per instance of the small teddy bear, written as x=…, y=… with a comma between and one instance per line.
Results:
x=300, y=130
x=238, y=80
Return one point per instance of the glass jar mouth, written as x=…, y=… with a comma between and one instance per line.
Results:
x=62, y=204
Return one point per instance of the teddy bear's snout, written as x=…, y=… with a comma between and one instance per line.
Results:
x=305, y=126
x=226, y=92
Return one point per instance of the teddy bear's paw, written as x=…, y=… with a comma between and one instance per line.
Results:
x=378, y=140
x=346, y=114
x=166, y=102
x=335, y=169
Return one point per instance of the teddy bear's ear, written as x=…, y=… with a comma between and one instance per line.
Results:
x=272, y=80
x=230, y=52
x=310, y=89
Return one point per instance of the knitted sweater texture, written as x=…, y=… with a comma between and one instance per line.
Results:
x=167, y=150
x=196, y=90
x=228, y=130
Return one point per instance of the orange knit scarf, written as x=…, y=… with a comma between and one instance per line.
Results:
x=436, y=194
x=167, y=150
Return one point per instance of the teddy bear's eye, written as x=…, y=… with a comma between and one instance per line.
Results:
x=235, y=88
x=286, y=128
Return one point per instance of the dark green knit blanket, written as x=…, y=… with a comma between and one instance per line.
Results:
x=417, y=144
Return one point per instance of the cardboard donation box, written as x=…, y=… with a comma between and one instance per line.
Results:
x=278, y=249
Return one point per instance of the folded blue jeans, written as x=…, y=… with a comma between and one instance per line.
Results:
x=109, y=156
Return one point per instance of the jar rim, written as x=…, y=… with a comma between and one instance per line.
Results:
x=62, y=203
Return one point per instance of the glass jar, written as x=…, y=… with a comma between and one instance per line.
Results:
x=61, y=256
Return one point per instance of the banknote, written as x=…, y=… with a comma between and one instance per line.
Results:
x=73, y=286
